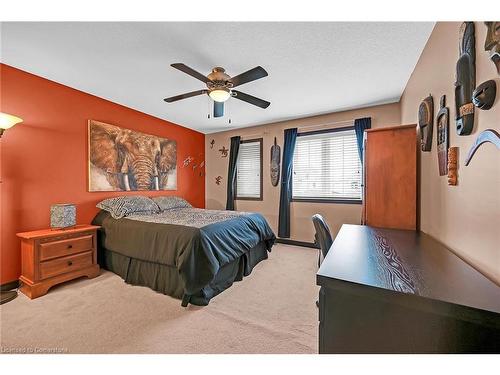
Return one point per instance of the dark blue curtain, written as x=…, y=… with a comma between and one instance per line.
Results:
x=286, y=183
x=360, y=125
x=231, y=173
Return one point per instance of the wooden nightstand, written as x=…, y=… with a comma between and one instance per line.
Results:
x=50, y=257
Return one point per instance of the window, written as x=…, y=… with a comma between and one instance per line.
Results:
x=326, y=166
x=249, y=170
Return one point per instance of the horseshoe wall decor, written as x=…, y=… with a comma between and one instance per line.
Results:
x=488, y=135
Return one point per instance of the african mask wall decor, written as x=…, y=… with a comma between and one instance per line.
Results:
x=442, y=137
x=465, y=80
x=425, y=122
x=122, y=159
x=275, y=163
x=492, y=42
x=484, y=95
x=452, y=166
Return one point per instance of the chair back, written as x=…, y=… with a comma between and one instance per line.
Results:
x=323, y=235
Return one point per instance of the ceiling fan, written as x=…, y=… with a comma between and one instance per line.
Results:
x=220, y=86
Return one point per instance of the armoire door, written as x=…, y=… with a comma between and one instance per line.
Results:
x=390, y=177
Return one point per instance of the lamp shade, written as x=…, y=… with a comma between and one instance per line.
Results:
x=219, y=95
x=62, y=215
x=8, y=121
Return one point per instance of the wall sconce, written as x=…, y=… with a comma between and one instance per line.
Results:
x=8, y=121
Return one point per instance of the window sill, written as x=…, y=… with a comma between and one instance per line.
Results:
x=328, y=200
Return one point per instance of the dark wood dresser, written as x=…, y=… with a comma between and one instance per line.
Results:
x=400, y=291
x=50, y=257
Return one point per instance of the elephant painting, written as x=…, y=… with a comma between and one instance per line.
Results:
x=123, y=159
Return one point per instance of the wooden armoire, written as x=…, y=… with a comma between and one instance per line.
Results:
x=390, y=176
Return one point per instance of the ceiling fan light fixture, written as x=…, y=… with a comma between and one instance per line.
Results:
x=220, y=94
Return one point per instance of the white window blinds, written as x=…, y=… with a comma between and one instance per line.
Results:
x=327, y=166
x=248, y=173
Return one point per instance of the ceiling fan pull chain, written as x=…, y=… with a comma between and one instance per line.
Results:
x=208, y=106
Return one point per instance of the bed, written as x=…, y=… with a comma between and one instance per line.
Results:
x=188, y=253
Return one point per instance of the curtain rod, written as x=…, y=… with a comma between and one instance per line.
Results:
x=254, y=134
x=327, y=124
x=302, y=128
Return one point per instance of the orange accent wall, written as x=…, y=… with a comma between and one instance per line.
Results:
x=44, y=159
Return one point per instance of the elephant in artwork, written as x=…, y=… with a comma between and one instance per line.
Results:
x=130, y=160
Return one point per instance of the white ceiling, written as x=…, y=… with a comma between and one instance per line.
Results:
x=313, y=68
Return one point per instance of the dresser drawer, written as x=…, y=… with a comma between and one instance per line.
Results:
x=65, y=264
x=65, y=247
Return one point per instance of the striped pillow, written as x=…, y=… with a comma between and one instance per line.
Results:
x=170, y=202
x=126, y=205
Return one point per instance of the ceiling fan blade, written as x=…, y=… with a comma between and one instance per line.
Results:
x=193, y=73
x=249, y=76
x=218, y=109
x=184, y=96
x=250, y=99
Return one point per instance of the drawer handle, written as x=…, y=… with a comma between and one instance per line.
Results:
x=70, y=263
x=70, y=246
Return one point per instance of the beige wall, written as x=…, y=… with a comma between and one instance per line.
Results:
x=301, y=226
x=464, y=217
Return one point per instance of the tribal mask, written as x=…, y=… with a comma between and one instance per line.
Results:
x=492, y=42
x=465, y=80
x=484, y=95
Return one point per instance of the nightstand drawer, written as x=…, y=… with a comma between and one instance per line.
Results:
x=65, y=247
x=65, y=264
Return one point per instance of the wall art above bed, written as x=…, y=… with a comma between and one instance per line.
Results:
x=123, y=159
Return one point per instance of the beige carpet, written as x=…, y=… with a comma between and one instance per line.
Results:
x=271, y=311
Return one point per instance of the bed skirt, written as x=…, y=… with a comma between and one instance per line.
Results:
x=166, y=279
